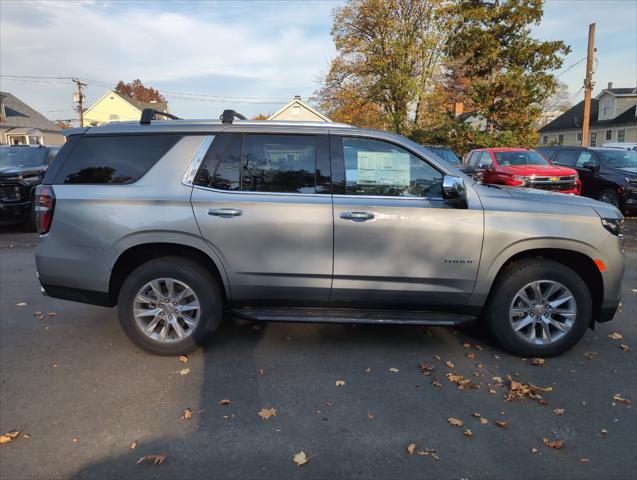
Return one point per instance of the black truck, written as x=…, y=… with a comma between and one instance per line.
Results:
x=22, y=168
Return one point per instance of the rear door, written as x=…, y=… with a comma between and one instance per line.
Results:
x=263, y=205
x=397, y=243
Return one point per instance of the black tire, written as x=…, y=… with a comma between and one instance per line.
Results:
x=200, y=280
x=515, y=277
x=609, y=196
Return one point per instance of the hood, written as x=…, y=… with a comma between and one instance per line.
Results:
x=541, y=170
x=628, y=170
x=24, y=171
x=534, y=195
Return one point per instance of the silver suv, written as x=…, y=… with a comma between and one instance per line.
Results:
x=177, y=221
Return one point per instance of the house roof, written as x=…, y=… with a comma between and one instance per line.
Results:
x=300, y=102
x=19, y=114
x=160, y=106
x=619, y=91
x=572, y=118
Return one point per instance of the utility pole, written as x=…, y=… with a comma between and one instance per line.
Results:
x=588, y=84
x=79, y=98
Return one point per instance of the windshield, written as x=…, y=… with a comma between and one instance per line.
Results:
x=23, y=157
x=619, y=158
x=511, y=159
x=446, y=154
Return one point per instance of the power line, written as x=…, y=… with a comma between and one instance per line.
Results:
x=570, y=67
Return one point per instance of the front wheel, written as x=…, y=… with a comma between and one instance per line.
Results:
x=169, y=305
x=609, y=196
x=538, y=308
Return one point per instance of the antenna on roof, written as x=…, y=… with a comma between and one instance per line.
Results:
x=149, y=114
x=228, y=116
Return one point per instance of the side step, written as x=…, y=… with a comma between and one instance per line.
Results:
x=346, y=315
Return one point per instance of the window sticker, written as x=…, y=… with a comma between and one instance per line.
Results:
x=383, y=168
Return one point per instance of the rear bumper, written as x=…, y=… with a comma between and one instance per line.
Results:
x=606, y=313
x=77, y=295
x=629, y=201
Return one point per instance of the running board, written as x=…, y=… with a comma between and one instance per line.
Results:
x=346, y=315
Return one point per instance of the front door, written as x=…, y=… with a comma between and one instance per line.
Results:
x=262, y=206
x=589, y=178
x=396, y=241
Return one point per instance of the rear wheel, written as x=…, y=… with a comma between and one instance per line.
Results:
x=609, y=196
x=538, y=307
x=169, y=305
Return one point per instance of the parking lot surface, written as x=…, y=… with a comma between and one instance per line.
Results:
x=84, y=396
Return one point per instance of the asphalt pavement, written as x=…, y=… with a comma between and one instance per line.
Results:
x=90, y=404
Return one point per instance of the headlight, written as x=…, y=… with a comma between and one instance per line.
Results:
x=613, y=225
x=520, y=178
x=632, y=181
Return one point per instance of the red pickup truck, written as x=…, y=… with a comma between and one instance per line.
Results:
x=521, y=167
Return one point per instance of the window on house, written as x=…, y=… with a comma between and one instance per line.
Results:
x=560, y=139
x=607, y=108
x=593, y=141
x=579, y=137
x=621, y=136
x=545, y=139
x=609, y=134
x=296, y=110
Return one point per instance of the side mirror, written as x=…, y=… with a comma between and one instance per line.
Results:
x=592, y=166
x=454, y=191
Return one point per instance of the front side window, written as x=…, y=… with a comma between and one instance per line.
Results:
x=584, y=157
x=279, y=163
x=486, y=161
x=120, y=159
x=374, y=167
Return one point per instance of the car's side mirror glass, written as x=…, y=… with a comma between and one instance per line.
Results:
x=454, y=190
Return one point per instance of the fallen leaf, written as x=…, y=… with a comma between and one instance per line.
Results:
x=455, y=422
x=38, y=315
x=436, y=383
x=183, y=358
x=501, y=423
x=468, y=433
x=26, y=435
x=556, y=444
x=470, y=355
x=604, y=431
x=538, y=362
x=437, y=357
x=492, y=391
x=621, y=399
x=428, y=452
x=466, y=345
x=187, y=415
x=75, y=440
x=300, y=458
x=155, y=459
x=590, y=355
x=370, y=415
x=410, y=448
x=21, y=304
x=497, y=379
x=368, y=370
x=184, y=371
x=624, y=348
x=225, y=401
x=266, y=413
x=558, y=411
x=483, y=421
x=476, y=414
x=328, y=403
x=133, y=445
x=9, y=436
x=479, y=347
x=340, y=383
x=51, y=314
x=261, y=371
x=615, y=336
x=534, y=450
x=584, y=460
x=463, y=383
x=450, y=364
x=519, y=390
x=393, y=370
x=426, y=368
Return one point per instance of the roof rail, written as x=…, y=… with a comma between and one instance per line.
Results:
x=228, y=116
x=148, y=114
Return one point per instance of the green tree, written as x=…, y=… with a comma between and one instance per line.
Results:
x=387, y=53
x=509, y=71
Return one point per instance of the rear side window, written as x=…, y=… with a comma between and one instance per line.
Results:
x=567, y=157
x=113, y=159
x=279, y=163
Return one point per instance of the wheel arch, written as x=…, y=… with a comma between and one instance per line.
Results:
x=139, y=254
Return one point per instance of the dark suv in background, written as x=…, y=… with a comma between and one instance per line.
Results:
x=22, y=168
x=607, y=174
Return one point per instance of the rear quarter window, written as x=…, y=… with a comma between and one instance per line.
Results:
x=122, y=159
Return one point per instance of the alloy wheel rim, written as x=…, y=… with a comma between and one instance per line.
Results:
x=542, y=312
x=166, y=310
x=608, y=198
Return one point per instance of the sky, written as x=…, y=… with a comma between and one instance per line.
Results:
x=252, y=56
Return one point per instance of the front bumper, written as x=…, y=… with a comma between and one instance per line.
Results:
x=629, y=201
x=14, y=212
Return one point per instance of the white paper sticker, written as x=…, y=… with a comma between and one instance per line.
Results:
x=383, y=168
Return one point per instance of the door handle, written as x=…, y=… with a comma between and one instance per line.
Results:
x=224, y=212
x=357, y=216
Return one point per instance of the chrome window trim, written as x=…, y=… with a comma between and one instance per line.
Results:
x=386, y=197
x=193, y=166
x=240, y=192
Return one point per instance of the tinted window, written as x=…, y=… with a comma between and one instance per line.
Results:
x=511, y=159
x=121, y=159
x=446, y=154
x=279, y=163
x=583, y=158
x=485, y=160
x=221, y=167
x=23, y=157
x=546, y=152
x=567, y=157
x=373, y=167
x=619, y=158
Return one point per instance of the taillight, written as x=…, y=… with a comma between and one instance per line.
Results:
x=44, y=206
